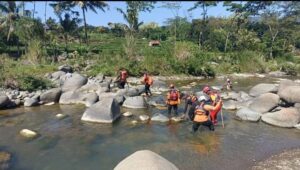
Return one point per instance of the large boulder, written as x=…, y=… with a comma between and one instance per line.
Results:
x=57, y=75
x=4, y=100
x=158, y=117
x=157, y=101
x=159, y=85
x=118, y=98
x=277, y=74
x=244, y=96
x=145, y=160
x=73, y=83
x=229, y=105
x=107, y=110
x=263, y=88
x=135, y=102
x=286, y=117
x=76, y=97
x=248, y=114
x=51, y=95
x=65, y=68
x=28, y=102
x=264, y=103
x=230, y=95
x=290, y=94
x=284, y=84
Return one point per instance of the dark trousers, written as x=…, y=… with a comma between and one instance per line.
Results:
x=147, y=89
x=121, y=84
x=208, y=123
x=174, y=108
x=187, y=103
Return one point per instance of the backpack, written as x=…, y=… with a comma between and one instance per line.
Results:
x=173, y=95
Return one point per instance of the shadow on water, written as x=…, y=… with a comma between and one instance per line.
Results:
x=70, y=143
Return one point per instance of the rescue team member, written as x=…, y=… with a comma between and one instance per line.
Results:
x=214, y=98
x=201, y=113
x=173, y=99
x=122, y=78
x=191, y=102
x=148, y=81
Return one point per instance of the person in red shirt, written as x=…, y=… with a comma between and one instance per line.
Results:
x=148, y=81
x=122, y=78
x=173, y=99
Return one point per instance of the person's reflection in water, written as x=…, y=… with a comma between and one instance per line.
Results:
x=205, y=143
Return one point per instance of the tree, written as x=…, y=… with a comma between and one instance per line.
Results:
x=204, y=5
x=9, y=8
x=84, y=5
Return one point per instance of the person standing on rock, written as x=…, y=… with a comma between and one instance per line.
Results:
x=148, y=81
x=201, y=113
x=122, y=78
x=214, y=98
x=173, y=99
x=228, y=84
x=191, y=102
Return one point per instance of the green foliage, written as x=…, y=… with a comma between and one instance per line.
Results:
x=32, y=83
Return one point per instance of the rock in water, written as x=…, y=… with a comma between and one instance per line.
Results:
x=4, y=100
x=28, y=133
x=177, y=119
x=106, y=110
x=144, y=117
x=127, y=114
x=145, y=160
x=50, y=104
x=248, y=114
x=286, y=117
x=5, y=158
x=290, y=94
x=76, y=97
x=60, y=116
x=51, y=95
x=159, y=118
x=135, y=102
x=229, y=105
x=263, y=88
x=31, y=102
x=73, y=83
x=264, y=103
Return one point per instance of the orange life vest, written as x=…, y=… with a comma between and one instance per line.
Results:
x=123, y=75
x=173, y=97
x=200, y=114
x=148, y=80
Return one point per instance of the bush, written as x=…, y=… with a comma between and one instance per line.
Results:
x=289, y=68
x=31, y=83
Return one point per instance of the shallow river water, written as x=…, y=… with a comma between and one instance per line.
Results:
x=70, y=144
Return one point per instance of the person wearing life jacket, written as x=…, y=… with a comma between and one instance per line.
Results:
x=148, y=81
x=201, y=113
x=173, y=99
x=122, y=78
x=214, y=98
x=190, y=101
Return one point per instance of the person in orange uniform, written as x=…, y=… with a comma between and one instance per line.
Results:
x=214, y=98
x=148, y=81
x=173, y=99
x=201, y=113
x=190, y=100
x=122, y=78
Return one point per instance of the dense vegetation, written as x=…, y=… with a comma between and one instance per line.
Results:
x=259, y=36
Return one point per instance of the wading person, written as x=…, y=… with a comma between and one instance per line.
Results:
x=201, y=113
x=148, y=81
x=190, y=102
x=122, y=78
x=173, y=100
x=228, y=84
x=214, y=98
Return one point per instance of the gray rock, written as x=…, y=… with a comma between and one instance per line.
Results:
x=248, y=114
x=297, y=105
x=286, y=117
x=277, y=74
x=57, y=75
x=290, y=94
x=229, y=105
x=31, y=102
x=130, y=92
x=265, y=102
x=107, y=110
x=284, y=84
x=5, y=159
x=159, y=85
x=145, y=160
x=157, y=117
x=118, y=98
x=135, y=102
x=76, y=97
x=230, y=95
x=73, y=83
x=51, y=95
x=28, y=133
x=144, y=117
x=65, y=68
x=4, y=100
x=219, y=88
x=244, y=96
x=263, y=88
x=157, y=101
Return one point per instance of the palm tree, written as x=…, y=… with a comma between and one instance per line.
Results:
x=84, y=5
x=8, y=8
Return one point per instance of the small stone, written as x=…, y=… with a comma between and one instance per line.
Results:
x=127, y=114
x=49, y=104
x=28, y=133
x=176, y=119
x=144, y=117
x=60, y=116
x=134, y=122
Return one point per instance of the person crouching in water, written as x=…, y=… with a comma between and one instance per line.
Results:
x=228, y=84
x=190, y=101
x=201, y=114
x=214, y=98
x=148, y=81
x=173, y=100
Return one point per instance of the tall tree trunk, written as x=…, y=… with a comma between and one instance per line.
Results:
x=33, y=9
x=85, y=31
x=226, y=42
